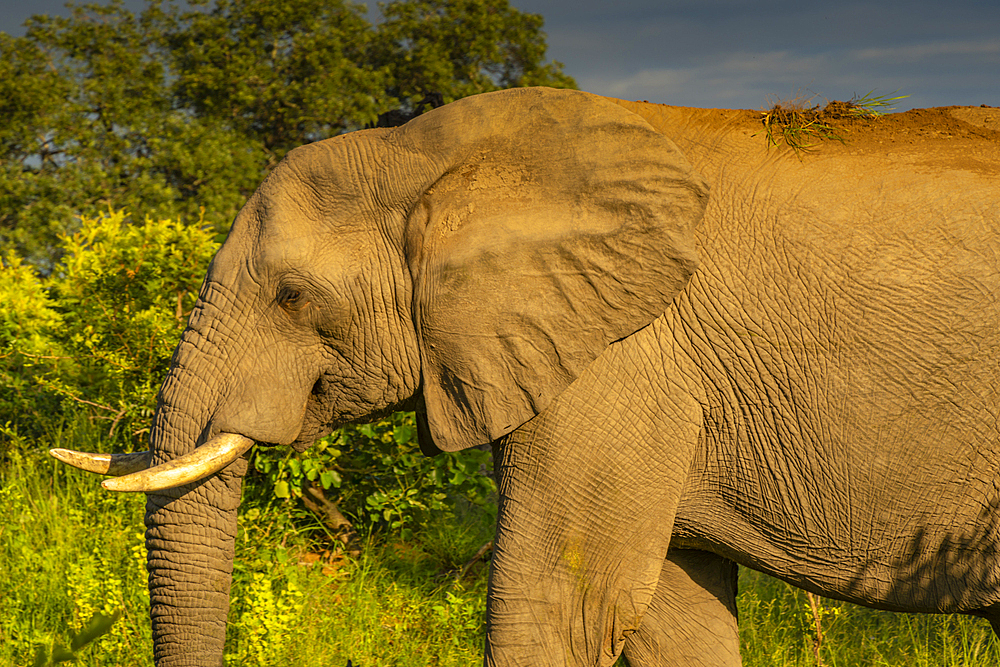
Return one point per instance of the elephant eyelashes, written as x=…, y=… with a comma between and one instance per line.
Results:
x=291, y=299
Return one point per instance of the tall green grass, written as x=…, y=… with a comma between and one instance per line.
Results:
x=70, y=550
x=777, y=628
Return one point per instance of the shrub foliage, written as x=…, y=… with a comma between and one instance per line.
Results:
x=93, y=338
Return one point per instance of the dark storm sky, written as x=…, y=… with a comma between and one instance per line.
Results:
x=737, y=53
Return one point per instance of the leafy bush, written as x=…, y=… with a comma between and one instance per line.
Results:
x=268, y=613
x=94, y=338
x=126, y=291
x=26, y=323
x=380, y=475
x=27, y=308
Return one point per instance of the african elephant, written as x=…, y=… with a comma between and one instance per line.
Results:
x=798, y=373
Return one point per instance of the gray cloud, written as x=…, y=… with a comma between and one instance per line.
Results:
x=933, y=73
x=741, y=53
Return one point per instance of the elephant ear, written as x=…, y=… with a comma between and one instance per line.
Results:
x=558, y=223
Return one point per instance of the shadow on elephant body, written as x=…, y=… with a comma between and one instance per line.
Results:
x=955, y=572
x=692, y=619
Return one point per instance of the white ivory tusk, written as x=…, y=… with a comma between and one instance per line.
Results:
x=104, y=464
x=205, y=460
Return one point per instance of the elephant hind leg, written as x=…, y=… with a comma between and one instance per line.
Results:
x=692, y=618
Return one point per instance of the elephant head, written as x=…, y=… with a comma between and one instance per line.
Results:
x=468, y=265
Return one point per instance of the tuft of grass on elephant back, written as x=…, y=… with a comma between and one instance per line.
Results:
x=377, y=475
x=797, y=123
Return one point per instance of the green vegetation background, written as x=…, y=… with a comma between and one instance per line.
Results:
x=129, y=144
x=71, y=550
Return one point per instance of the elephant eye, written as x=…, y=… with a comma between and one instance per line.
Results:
x=291, y=298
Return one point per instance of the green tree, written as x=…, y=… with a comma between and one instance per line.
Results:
x=186, y=107
x=93, y=124
x=458, y=48
x=280, y=72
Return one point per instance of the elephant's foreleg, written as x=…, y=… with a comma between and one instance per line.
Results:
x=691, y=621
x=588, y=494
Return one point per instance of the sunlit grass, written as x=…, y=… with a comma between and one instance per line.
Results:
x=777, y=628
x=873, y=105
x=71, y=553
x=796, y=127
x=398, y=603
x=71, y=550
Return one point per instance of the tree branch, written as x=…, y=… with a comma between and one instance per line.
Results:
x=334, y=520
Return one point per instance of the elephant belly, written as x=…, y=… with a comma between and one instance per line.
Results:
x=895, y=540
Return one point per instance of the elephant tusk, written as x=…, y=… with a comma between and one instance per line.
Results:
x=205, y=460
x=104, y=464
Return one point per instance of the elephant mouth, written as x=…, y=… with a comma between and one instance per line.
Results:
x=132, y=472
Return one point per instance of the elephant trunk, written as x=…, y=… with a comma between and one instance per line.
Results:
x=190, y=530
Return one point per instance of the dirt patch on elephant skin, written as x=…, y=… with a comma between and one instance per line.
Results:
x=963, y=138
x=923, y=124
x=955, y=137
x=984, y=116
x=866, y=133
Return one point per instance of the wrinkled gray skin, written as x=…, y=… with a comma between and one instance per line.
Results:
x=816, y=400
